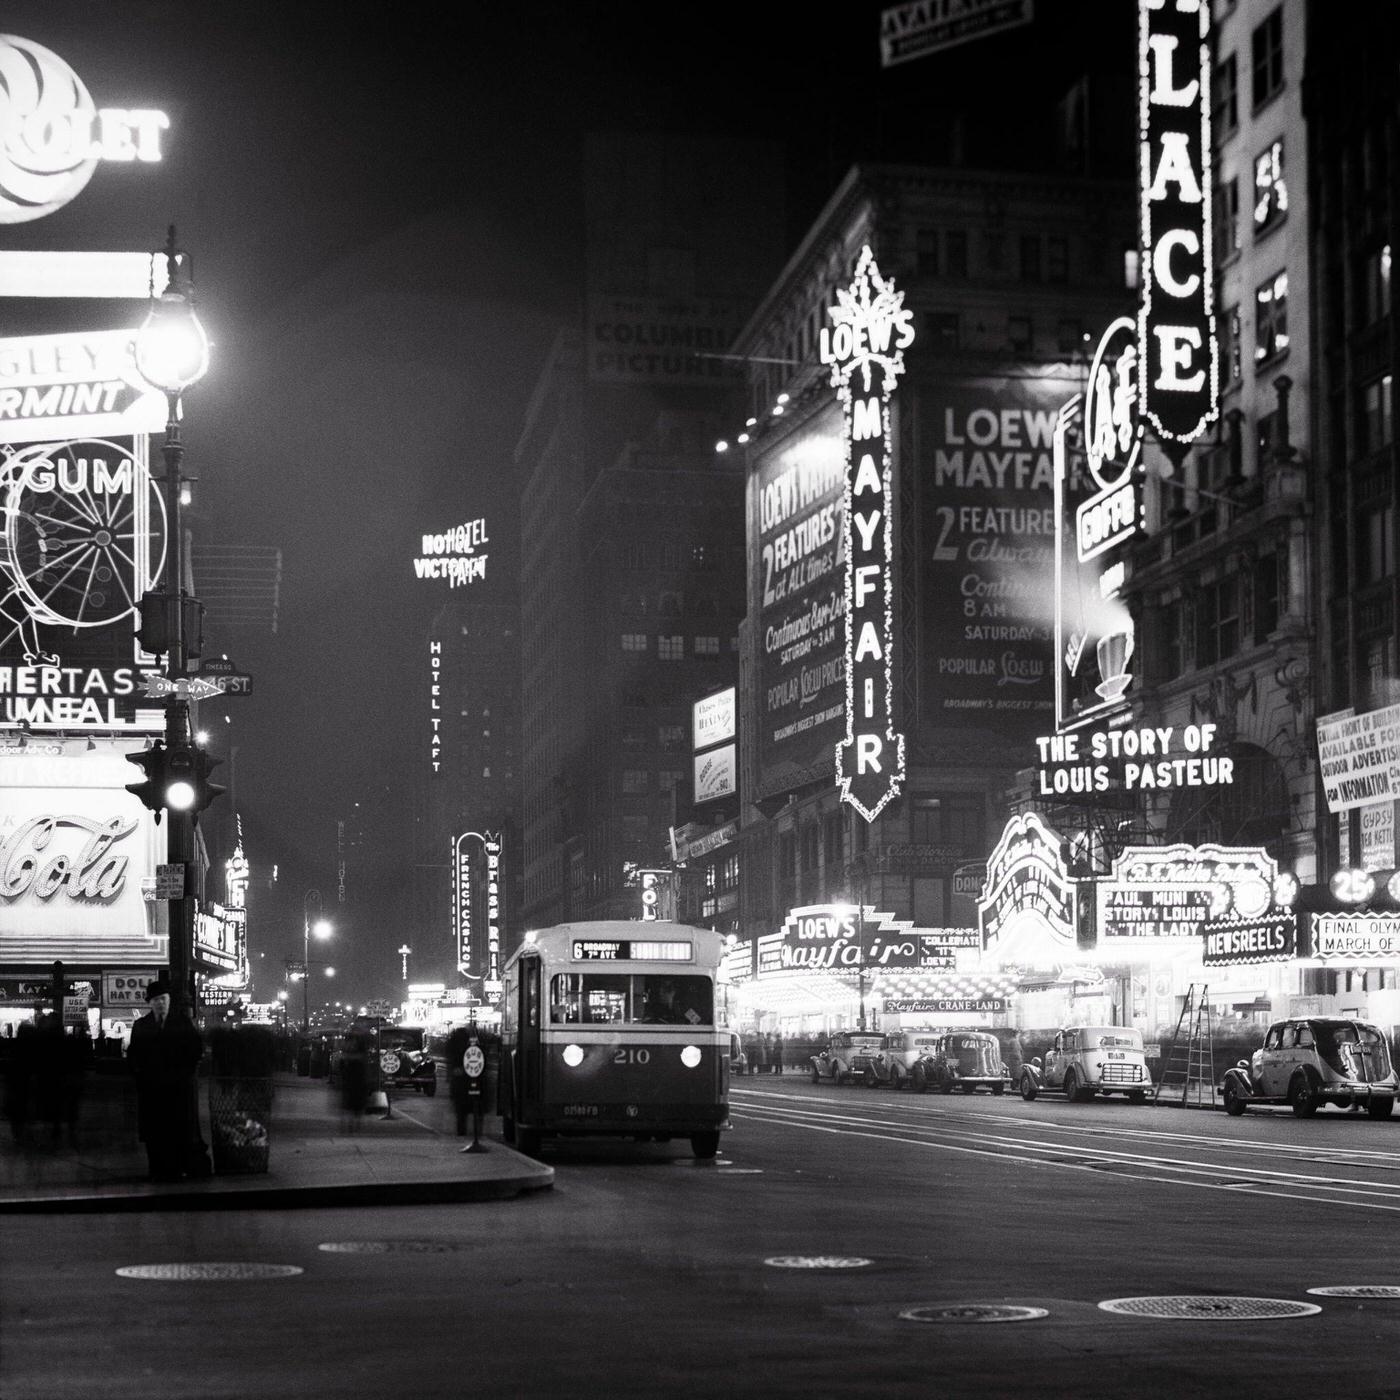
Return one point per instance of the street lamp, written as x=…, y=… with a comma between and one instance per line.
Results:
x=172, y=352
x=322, y=929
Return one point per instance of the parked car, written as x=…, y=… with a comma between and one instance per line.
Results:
x=851, y=1055
x=404, y=1061
x=962, y=1060
x=903, y=1050
x=1087, y=1060
x=1310, y=1061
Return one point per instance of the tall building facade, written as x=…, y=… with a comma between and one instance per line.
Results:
x=632, y=556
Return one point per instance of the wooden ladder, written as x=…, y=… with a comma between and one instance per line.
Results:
x=1188, y=1071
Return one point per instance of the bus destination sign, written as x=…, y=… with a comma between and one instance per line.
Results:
x=635, y=950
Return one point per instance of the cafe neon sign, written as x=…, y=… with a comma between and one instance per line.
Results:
x=869, y=332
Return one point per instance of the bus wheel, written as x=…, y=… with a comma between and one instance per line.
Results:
x=704, y=1145
x=527, y=1140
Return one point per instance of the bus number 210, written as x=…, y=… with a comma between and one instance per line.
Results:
x=632, y=1055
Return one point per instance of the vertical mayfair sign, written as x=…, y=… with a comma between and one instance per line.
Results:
x=864, y=345
x=1179, y=378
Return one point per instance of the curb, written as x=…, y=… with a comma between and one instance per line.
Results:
x=287, y=1197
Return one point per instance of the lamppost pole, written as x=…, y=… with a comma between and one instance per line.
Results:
x=312, y=896
x=172, y=352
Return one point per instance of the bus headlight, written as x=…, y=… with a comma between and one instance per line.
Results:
x=690, y=1056
x=573, y=1056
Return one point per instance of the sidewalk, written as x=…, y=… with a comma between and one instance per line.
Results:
x=317, y=1158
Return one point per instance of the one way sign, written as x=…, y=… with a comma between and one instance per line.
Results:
x=75, y=386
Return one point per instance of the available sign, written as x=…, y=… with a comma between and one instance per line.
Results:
x=1236, y=942
x=1359, y=758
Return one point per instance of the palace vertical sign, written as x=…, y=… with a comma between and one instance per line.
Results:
x=1178, y=386
x=864, y=345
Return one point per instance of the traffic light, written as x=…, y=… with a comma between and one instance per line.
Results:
x=186, y=779
x=151, y=789
x=176, y=779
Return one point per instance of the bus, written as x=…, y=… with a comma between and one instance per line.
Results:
x=617, y=1027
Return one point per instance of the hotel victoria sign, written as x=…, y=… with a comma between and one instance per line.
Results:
x=864, y=345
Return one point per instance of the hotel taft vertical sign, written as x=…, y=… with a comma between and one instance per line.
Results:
x=1178, y=384
x=864, y=345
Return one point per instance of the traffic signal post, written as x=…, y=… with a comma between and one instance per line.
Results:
x=172, y=352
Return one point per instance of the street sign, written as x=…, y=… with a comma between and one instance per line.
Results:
x=170, y=881
x=75, y=386
x=184, y=687
x=473, y=1061
x=239, y=684
x=218, y=666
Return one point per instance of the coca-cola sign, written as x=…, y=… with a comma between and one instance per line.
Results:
x=33, y=860
x=75, y=849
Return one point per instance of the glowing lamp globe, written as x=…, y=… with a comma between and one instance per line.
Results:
x=172, y=350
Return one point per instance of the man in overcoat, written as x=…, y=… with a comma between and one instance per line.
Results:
x=164, y=1057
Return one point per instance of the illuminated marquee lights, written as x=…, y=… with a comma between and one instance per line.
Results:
x=491, y=844
x=1179, y=385
x=52, y=135
x=870, y=330
x=452, y=554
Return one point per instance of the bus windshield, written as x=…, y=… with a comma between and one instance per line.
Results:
x=612, y=998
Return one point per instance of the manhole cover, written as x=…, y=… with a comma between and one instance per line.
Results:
x=1358, y=1290
x=185, y=1272
x=1206, y=1305
x=973, y=1312
x=817, y=1261
x=389, y=1247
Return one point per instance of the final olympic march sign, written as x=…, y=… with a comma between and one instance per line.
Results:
x=869, y=333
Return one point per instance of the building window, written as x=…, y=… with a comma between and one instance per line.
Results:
x=670, y=737
x=1375, y=544
x=1217, y=621
x=1265, y=597
x=1030, y=258
x=670, y=604
x=1227, y=220
x=994, y=250
x=942, y=328
x=1266, y=69
x=670, y=648
x=729, y=872
x=954, y=819
x=955, y=254
x=831, y=840
x=1375, y=425
x=635, y=780
x=1132, y=268
x=1373, y=286
x=634, y=641
x=1271, y=318
x=1231, y=353
x=926, y=251
x=1225, y=107
x=1018, y=332
x=707, y=646
x=1056, y=259
x=1270, y=189
x=633, y=603
x=1178, y=634
x=633, y=555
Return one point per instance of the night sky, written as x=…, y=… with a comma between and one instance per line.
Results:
x=384, y=207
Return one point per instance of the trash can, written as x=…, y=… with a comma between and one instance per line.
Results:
x=240, y=1114
x=240, y=1098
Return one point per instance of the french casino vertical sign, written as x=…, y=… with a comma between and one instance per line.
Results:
x=1179, y=381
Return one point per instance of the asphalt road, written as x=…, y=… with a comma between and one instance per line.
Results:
x=780, y=1270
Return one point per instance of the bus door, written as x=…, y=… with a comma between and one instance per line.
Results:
x=529, y=1057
